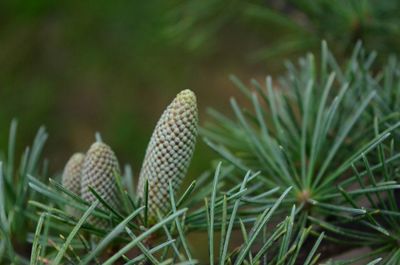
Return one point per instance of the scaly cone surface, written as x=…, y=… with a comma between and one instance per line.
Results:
x=169, y=152
x=99, y=169
x=71, y=178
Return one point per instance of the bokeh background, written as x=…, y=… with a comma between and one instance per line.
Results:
x=84, y=66
x=78, y=67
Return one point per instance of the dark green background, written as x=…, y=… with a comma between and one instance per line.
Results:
x=78, y=67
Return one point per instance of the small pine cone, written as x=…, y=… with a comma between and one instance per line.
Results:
x=169, y=152
x=98, y=171
x=71, y=178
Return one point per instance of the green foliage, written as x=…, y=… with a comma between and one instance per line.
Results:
x=310, y=130
x=17, y=217
x=379, y=227
x=306, y=133
x=302, y=24
x=166, y=241
x=316, y=161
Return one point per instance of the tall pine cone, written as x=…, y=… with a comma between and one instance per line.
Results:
x=169, y=152
x=99, y=169
x=71, y=178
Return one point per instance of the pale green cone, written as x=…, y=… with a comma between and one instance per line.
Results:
x=71, y=178
x=169, y=152
x=99, y=169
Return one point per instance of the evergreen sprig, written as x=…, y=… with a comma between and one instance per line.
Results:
x=379, y=227
x=222, y=211
x=309, y=130
x=316, y=162
x=17, y=218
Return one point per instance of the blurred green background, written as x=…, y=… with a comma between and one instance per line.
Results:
x=78, y=67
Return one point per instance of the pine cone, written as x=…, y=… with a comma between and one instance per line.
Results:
x=169, y=152
x=71, y=178
x=98, y=171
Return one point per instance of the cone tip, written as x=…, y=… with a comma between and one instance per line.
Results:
x=77, y=156
x=187, y=93
x=98, y=145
